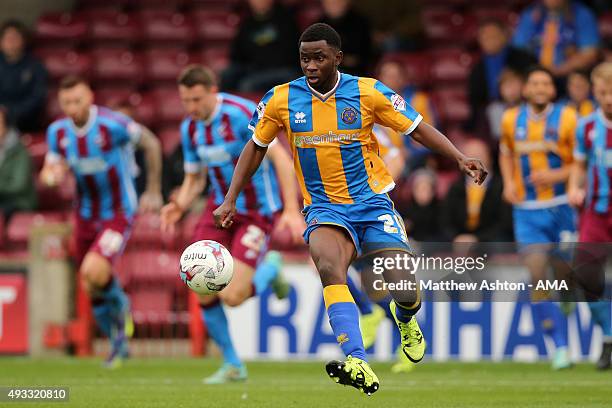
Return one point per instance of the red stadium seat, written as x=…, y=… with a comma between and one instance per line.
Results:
x=169, y=107
x=443, y=26
x=116, y=64
x=53, y=110
x=61, y=26
x=309, y=15
x=113, y=96
x=165, y=64
x=170, y=138
x=166, y=26
x=21, y=223
x=112, y=26
x=452, y=104
x=64, y=61
x=146, y=233
x=149, y=266
x=56, y=199
x=151, y=305
x=497, y=13
x=450, y=65
x=605, y=26
x=214, y=25
x=143, y=106
x=416, y=66
x=216, y=58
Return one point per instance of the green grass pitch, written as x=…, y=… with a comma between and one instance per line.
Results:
x=177, y=383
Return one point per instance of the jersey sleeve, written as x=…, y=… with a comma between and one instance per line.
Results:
x=506, y=141
x=191, y=161
x=391, y=110
x=580, y=151
x=567, y=139
x=265, y=123
x=53, y=151
x=125, y=130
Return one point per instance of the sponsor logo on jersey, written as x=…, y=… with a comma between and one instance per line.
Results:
x=300, y=117
x=349, y=115
x=399, y=104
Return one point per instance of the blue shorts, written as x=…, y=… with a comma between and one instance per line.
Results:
x=544, y=225
x=373, y=224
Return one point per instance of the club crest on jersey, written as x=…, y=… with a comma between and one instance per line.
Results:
x=349, y=115
x=399, y=104
x=300, y=117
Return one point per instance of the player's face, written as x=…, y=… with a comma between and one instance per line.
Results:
x=75, y=102
x=196, y=100
x=578, y=88
x=539, y=88
x=510, y=90
x=319, y=62
x=602, y=90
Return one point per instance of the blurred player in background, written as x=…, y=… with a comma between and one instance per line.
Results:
x=96, y=144
x=589, y=188
x=213, y=135
x=535, y=159
x=579, y=93
x=328, y=117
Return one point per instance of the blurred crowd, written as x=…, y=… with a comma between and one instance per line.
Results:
x=561, y=35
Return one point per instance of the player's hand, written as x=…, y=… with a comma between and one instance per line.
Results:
x=542, y=178
x=576, y=197
x=52, y=175
x=150, y=201
x=510, y=194
x=473, y=168
x=224, y=214
x=293, y=220
x=170, y=214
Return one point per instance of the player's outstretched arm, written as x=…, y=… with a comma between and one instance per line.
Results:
x=248, y=162
x=192, y=186
x=291, y=218
x=430, y=137
x=151, y=199
x=575, y=189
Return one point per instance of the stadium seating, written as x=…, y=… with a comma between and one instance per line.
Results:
x=149, y=266
x=113, y=27
x=216, y=58
x=117, y=64
x=170, y=138
x=452, y=104
x=450, y=65
x=165, y=26
x=60, y=28
x=605, y=27
x=215, y=25
x=443, y=26
x=164, y=64
x=169, y=108
x=64, y=61
x=416, y=66
x=21, y=224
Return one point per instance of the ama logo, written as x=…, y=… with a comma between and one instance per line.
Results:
x=300, y=117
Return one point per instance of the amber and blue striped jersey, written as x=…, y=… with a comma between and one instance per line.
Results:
x=335, y=154
x=538, y=142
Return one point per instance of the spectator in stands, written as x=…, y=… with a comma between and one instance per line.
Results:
x=421, y=216
x=510, y=90
x=477, y=213
x=263, y=53
x=354, y=30
x=23, y=79
x=562, y=34
x=579, y=93
x=392, y=74
x=17, y=192
x=497, y=55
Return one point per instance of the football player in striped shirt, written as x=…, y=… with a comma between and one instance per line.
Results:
x=97, y=145
x=589, y=188
x=213, y=135
x=328, y=117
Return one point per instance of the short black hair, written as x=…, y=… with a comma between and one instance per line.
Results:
x=17, y=25
x=539, y=68
x=321, y=32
